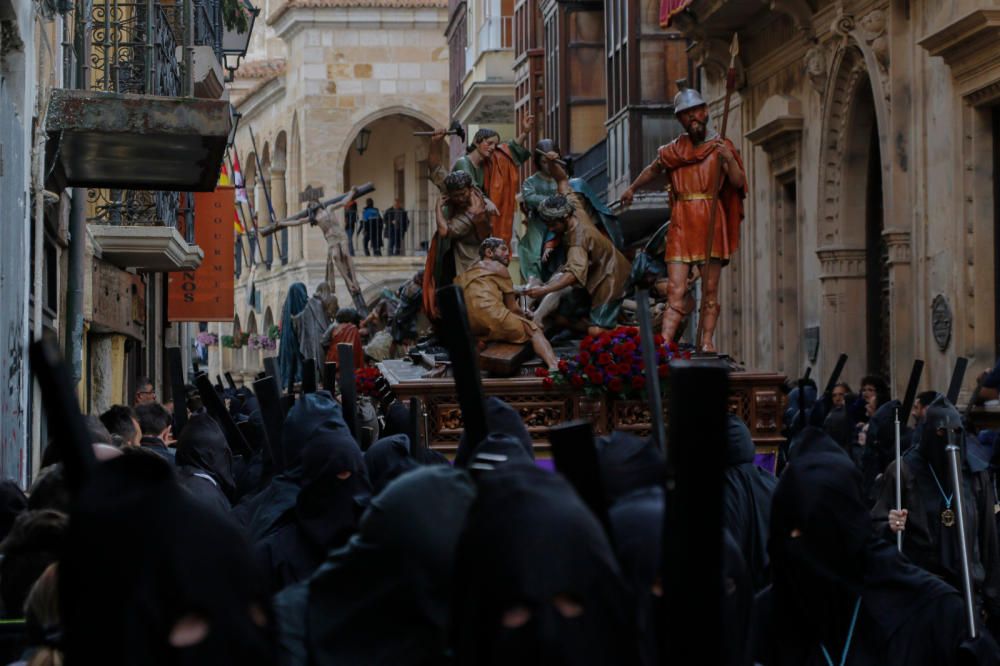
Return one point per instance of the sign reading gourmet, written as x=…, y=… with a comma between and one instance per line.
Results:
x=206, y=294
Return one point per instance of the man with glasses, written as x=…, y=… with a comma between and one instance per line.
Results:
x=144, y=392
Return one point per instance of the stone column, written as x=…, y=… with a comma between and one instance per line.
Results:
x=901, y=325
x=277, y=185
x=842, y=314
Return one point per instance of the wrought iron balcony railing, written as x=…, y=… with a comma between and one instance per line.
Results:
x=134, y=207
x=132, y=49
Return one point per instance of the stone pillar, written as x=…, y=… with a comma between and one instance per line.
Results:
x=843, y=317
x=901, y=326
x=277, y=188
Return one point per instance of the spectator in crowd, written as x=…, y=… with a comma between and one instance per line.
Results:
x=144, y=392
x=121, y=422
x=371, y=226
x=156, y=425
x=397, y=222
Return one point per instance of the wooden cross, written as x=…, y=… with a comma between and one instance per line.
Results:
x=311, y=194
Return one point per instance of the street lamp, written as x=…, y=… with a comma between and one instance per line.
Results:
x=361, y=143
x=235, y=42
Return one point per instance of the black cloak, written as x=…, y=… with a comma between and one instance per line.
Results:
x=824, y=558
x=334, y=491
x=747, y=500
x=260, y=513
x=535, y=579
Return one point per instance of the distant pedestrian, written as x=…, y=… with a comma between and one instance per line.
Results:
x=397, y=222
x=350, y=224
x=371, y=225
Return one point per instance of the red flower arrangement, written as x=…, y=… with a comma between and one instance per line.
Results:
x=364, y=379
x=612, y=363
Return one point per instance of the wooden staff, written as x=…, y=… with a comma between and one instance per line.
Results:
x=213, y=405
x=734, y=50
x=309, y=376
x=66, y=426
x=269, y=398
x=348, y=388
x=457, y=336
x=576, y=458
x=330, y=377
x=692, y=528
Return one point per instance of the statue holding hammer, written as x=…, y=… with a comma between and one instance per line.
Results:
x=708, y=185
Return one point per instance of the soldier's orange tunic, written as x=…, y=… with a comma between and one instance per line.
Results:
x=691, y=170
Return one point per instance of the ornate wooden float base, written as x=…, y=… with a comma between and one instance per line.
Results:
x=754, y=396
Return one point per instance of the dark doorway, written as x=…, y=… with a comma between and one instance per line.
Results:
x=876, y=265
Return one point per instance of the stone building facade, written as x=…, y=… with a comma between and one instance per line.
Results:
x=322, y=73
x=871, y=137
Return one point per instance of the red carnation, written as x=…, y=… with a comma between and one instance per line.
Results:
x=629, y=347
x=563, y=366
x=576, y=380
x=638, y=382
x=658, y=340
x=604, y=359
x=673, y=346
x=687, y=355
x=585, y=343
x=541, y=372
x=619, y=349
x=663, y=370
x=615, y=385
x=591, y=370
x=584, y=357
x=548, y=383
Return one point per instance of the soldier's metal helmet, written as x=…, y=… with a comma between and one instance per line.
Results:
x=686, y=98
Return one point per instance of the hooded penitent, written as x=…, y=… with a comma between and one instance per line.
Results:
x=143, y=560
x=637, y=527
x=747, y=500
x=311, y=413
x=205, y=462
x=629, y=463
x=387, y=459
x=929, y=497
x=831, y=573
x=535, y=579
x=384, y=598
x=501, y=420
x=289, y=353
x=334, y=492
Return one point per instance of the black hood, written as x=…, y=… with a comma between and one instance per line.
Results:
x=628, y=463
x=142, y=554
x=501, y=419
x=813, y=440
x=940, y=420
x=335, y=486
x=740, y=449
x=385, y=597
x=386, y=459
x=202, y=445
x=528, y=540
x=820, y=529
x=310, y=412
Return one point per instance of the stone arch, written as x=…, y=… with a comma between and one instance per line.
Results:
x=852, y=76
x=278, y=159
x=250, y=172
x=252, y=357
x=851, y=247
x=362, y=120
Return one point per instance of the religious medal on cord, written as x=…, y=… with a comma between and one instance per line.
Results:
x=947, y=516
